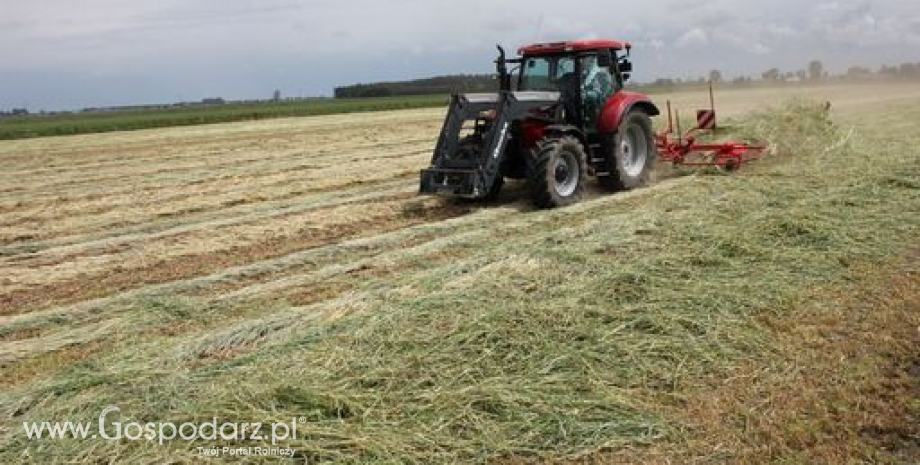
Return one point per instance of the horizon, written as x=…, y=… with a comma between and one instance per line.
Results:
x=104, y=53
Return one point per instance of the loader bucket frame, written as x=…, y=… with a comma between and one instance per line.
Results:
x=496, y=113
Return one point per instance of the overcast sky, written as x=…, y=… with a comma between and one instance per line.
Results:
x=57, y=54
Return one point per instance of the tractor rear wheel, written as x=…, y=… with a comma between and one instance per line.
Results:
x=630, y=153
x=557, y=171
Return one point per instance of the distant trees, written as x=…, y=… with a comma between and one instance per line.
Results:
x=665, y=82
x=14, y=112
x=909, y=70
x=816, y=70
x=715, y=76
x=888, y=70
x=436, y=85
x=903, y=71
x=772, y=74
x=858, y=72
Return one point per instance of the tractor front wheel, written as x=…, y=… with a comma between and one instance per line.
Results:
x=630, y=153
x=495, y=190
x=557, y=171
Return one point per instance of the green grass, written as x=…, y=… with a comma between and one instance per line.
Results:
x=556, y=334
x=59, y=125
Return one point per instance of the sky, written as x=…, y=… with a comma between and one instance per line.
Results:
x=66, y=54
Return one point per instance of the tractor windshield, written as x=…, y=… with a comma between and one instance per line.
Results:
x=547, y=73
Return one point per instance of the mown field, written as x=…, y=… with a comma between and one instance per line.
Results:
x=265, y=270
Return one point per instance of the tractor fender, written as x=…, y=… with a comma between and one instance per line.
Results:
x=619, y=105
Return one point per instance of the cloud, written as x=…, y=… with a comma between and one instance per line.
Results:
x=780, y=31
x=748, y=38
x=858, y=25
x=839, y=23
x=695, y=37
x=759, y=49
x=237, y=47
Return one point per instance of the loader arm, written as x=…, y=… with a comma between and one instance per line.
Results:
x=469, y=166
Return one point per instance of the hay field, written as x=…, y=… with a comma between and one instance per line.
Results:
x=262, y=270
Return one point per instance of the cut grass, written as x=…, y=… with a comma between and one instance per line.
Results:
x=551, y=335
x=843, y=388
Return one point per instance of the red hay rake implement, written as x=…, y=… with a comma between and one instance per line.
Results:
x=683, y=149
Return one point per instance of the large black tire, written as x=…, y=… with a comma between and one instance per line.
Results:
x=495, y=190
x=556, y=172
x=630, y=153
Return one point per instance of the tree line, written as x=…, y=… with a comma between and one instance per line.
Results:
x=465, y=83
x=436, y=85
x=814, y=72
x=15, y=112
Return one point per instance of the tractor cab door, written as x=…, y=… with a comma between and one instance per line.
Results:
x=598, y=84
x=556, y=73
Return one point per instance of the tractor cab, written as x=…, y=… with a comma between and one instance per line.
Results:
x=586, y=73
x=563, y=115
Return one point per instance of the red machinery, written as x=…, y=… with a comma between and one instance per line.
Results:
x=683, y=149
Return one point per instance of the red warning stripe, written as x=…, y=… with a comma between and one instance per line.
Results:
x=705, y=119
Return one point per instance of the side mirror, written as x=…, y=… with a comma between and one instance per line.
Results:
x=604, y=58
x=625, y=66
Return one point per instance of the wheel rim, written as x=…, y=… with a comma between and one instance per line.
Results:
x=565, y=173
x=634, y=149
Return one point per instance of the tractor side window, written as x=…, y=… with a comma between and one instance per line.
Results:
x=536, y=75
x=565, y=78
x=547, y=74
x=565, y=66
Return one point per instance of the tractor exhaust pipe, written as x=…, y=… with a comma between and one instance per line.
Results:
x=501, y=66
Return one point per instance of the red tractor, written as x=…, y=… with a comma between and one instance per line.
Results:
x=561, y=115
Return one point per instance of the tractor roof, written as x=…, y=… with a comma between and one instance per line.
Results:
x=573, y=46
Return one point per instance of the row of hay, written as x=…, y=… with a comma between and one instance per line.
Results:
x=556, y=335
